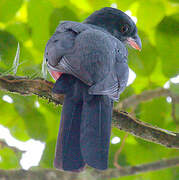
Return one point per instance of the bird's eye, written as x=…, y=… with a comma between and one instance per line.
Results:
x=124, y=28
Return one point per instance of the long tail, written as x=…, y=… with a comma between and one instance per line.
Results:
x=85, y=127
x=95, y=131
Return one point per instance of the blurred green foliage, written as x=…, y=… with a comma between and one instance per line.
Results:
x=32, y=22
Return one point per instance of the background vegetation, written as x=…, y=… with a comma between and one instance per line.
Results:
x=32, y=22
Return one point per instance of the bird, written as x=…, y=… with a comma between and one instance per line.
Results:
x=88, y=61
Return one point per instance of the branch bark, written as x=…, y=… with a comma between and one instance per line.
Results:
x=125, y=122
x=121, y=120
x=146, y=96
x=25, y=86
x=88, y=174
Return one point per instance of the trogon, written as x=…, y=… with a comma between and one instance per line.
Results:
x=88, y=60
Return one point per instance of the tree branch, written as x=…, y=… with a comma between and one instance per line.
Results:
x=131, y=170
x=25, y=86
x=146, y=96
x=4, y=144
x=121, y=120
x=88, y=174
x=125, y=122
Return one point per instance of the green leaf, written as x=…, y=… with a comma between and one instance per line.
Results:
x=175, y=172
x=33, y=119
x=129, y=91
x=48, y=154
x=169, y=25
x=122, y=159
x=149, y=14
x=20, y=30
x=39, y=14
x=28, y=65
x=167, y=39
x=174, y=88
x=144, y=62
x=8, y=47
x=83, y=5
x=177, y=111
x=175, y=1
x=51, y=114
x=125, y=5
x=61, y=14
x=154, y=65
x=156, y=112
x=12, y=120
x=96, y=5
x=157, y=76
x=8, y=9
x=9, y=159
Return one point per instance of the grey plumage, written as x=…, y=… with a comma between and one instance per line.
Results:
x=89, y=63
x=92, y=55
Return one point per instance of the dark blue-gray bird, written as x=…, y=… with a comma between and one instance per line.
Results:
x=88, y=60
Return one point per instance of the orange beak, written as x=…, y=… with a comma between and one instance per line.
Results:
x=135, y=42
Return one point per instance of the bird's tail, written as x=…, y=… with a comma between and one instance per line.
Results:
x=85, y=127
x=95, y=131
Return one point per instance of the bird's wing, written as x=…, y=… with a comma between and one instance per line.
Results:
x=61, y=43
x=87, y=54
x=91, y=55
x=116, y=80
x=91, y=58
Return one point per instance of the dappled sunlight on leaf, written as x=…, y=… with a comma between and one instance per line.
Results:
x=167, y=38
x=12, y=7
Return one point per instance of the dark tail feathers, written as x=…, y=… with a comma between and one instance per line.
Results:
x=85, y=127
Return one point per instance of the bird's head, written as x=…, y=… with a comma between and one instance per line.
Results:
x=118, y=24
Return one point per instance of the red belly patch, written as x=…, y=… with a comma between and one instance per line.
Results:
x=55, y=74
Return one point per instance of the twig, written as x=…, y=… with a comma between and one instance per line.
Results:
x=145, y=96
x=119, y=151
x=4, y=144
x=173, y=114
x=88, y=174
x=131, y=170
